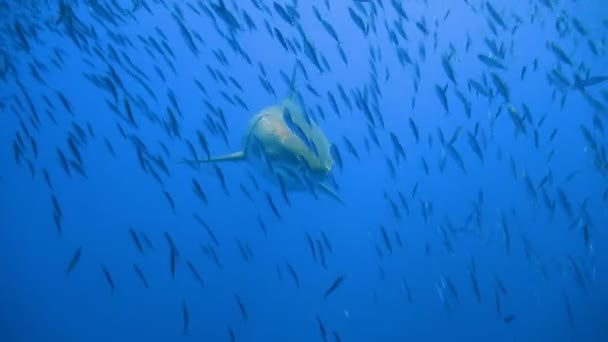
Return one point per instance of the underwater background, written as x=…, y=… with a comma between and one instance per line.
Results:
x=469, y=148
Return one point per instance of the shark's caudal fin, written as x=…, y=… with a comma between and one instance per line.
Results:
x=331, y=193
x=236, y=156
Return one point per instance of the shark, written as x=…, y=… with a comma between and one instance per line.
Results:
x=286, y=146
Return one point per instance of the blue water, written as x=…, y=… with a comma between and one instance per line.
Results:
x=551, y=262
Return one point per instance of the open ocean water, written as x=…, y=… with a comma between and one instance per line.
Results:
x=463, y=194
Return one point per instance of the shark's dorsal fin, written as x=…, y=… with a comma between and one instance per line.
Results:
x=236, y=156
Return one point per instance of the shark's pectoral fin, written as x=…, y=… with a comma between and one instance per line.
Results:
x=331, y=192
x=236, y=156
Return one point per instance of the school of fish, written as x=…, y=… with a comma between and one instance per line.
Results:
x=463, y=161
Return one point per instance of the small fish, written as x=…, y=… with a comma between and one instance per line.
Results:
x=351, y=148
x=140, y=274
x=241, y=307
x=136, y=240
x=441, y=94
x=494, y=63
x=108, y=277
x=414, y=129
x=322, y=329
x=586, y=235
x=170, y=199
x=387, y=242
x=231, y=334
x=337, y=282
x=186, y=316
x=294, y=275
x=398, y=149
x=195, y=273
x=297, y=129
x=326, y=242
x=321, y=254
x=335, y=153
x=568, y=307
x=173, y=259
x=509, y=318
x=473, y=277
x=198, y=191
x=283, y=189
x=406, y=290
x=146, y=240
x=47, y=178
x=243, y=251
x=312, y=247
x=497, y=302
x=220, y=176
x=207, y=229
x=272, y=205
x=559, y=53
x=358, y=21
x=447, y=67
x=74, y=260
